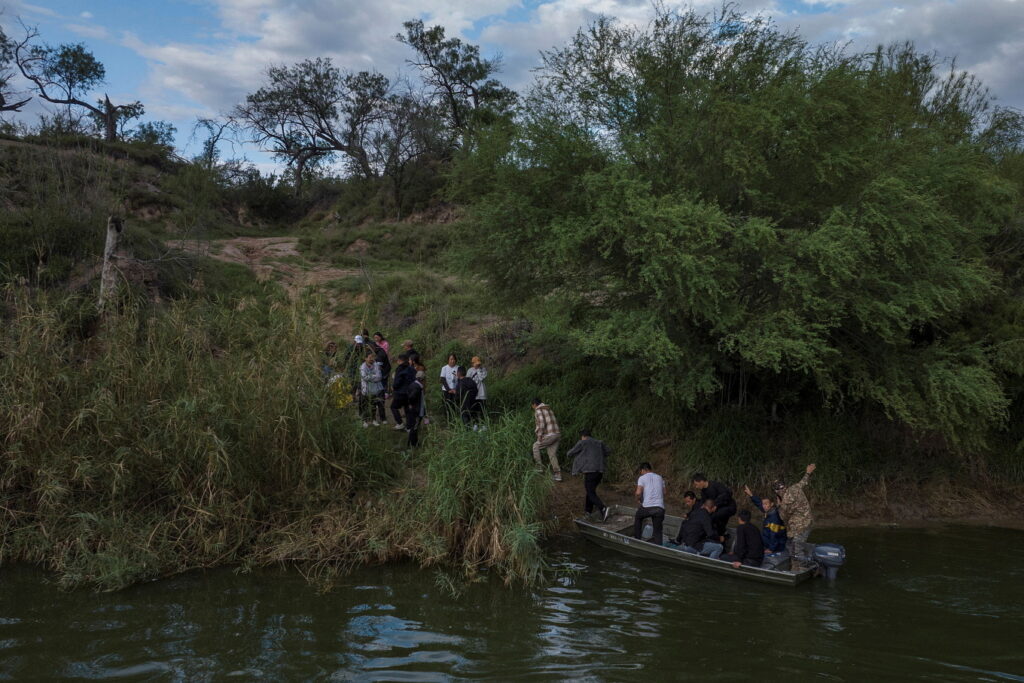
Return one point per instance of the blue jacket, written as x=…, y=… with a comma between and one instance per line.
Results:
x=773, y=533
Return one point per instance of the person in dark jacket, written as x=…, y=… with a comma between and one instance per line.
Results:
x=465, y=391
x=697, y=534
x=749, y=549
x=690, y=503
x=589, y=457
x=773, y=529
x=405, y=375
x=725, y=506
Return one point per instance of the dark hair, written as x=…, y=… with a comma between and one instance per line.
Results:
x=690, y=494
x=403, y=356
x=536, y=401
x=378, y=334
x=700, y=476
x=645, y=466
x=452, y=355
x=744, y=515
x=584, y=432
x=366, y=332
x=709, y=502
x=460, y=371
x=414, y=357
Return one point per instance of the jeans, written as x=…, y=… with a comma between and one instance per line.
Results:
x=657, y=516
x=550, y=442
x=709, y=549
x=590, y=482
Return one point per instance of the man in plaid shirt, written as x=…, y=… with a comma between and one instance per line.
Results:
x=548, y=436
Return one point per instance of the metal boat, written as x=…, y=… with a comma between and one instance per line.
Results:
x=616, y=533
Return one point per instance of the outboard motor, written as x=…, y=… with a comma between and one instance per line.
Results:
x=830, y=557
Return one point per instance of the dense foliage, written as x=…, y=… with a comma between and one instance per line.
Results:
x=731, y=214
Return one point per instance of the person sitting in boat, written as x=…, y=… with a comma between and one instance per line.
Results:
x=697, y=534
x=749, y=548
x=725, y=506
x=773, y=529
x=650, y=495
x=690, y=503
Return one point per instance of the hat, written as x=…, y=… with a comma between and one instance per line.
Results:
x=778, y=485
x=359, y=339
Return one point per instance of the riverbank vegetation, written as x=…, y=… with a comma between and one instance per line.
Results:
x=716, y=246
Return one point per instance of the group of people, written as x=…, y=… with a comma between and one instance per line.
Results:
x=710, y=505
x=367, y=366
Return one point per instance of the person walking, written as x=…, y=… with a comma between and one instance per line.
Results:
x=371, y=391
x=548, y=436
x=589, y=458
x=796, y=511
x=329, y=365
x=405, y=375
x=449, y=385
x=650, y=498
x=478, y=373
x=466, y=391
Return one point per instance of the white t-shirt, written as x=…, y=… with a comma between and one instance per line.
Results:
x=654, y=490
x=449, y=373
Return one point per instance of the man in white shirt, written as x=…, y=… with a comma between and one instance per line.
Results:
x=650, y=497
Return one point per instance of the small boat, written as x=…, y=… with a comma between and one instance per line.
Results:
x=617, y=533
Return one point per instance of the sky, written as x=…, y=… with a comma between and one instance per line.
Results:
x=189, y=58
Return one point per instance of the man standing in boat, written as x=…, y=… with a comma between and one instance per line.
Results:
x=650, y=498
x=796, y=511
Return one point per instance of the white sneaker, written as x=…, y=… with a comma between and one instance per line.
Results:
x=476, y=428
x=366, y=424
x=483, y=428
x=604, y=515
x=558, y=476
x=399, y=426
x=376, y=424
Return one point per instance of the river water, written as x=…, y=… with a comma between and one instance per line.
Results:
x=937, y=604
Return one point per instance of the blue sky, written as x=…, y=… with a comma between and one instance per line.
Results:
x=187, y=58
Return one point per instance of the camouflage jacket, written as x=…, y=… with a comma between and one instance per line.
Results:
x=795, y=507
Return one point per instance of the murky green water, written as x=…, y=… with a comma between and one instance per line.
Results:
x=937, y=604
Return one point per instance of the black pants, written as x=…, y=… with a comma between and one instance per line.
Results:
x=412, y=420
x=720, y=518
x=451, y=405
x=398, y=401
x=372, y=404
x=590, y=482
x=657, y=516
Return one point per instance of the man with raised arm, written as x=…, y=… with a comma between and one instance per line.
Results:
x=796, y=511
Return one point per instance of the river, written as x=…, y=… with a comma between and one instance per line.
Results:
x=937, y=604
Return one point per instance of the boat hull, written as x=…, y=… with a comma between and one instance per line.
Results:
x=616, y=534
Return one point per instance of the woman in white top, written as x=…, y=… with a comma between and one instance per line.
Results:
x=371, y=391
x=478, y=373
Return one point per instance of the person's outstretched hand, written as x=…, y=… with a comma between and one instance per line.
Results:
x=811, y=468
x=746, y=490
x=735, y=565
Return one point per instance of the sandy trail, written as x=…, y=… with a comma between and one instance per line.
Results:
x=278, y=259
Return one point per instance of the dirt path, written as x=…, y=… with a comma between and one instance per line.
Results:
x=278, y=259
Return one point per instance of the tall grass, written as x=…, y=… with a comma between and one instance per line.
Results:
x=165, y=441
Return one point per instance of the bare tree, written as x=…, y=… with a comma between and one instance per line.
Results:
x=7, y=75
x=65, y=75
x=312, y=110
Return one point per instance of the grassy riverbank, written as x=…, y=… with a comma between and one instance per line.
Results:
x=189, y=427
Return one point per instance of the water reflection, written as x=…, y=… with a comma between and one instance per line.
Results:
x=907, y=605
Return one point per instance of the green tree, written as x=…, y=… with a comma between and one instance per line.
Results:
x=65, y=75
x=460, y=82
x=155, y=133
x=731, y=213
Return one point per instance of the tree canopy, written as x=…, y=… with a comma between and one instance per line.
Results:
x=714, y=203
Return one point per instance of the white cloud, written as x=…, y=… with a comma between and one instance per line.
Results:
x=86, y=15
x=89, y=31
